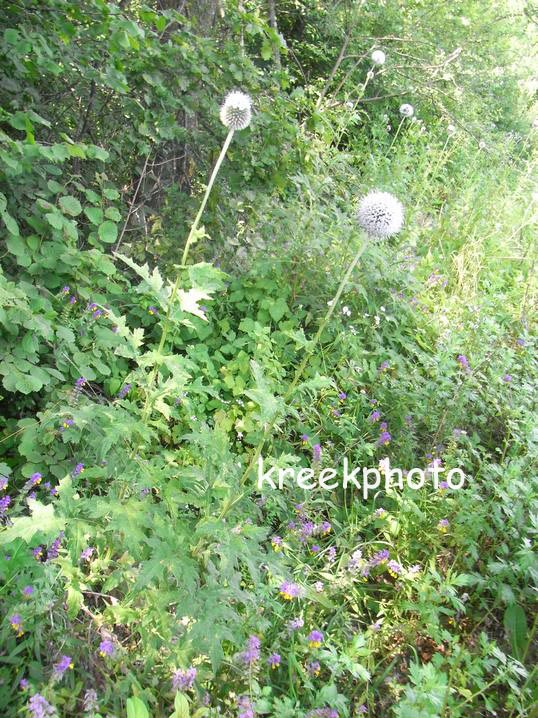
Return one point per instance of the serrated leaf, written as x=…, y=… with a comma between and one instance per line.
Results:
x=70, y=205
x=188, y=301
x=25, y=527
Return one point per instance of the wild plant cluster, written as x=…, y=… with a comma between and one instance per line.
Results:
x=297, y=232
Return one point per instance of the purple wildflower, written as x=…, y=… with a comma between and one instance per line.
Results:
x=362, y=709
x=383, y=426
x=325, y=528
x=24, y=684
x=274, y=660
x=54, y=550
x=126, y=388
x=65, y=663
x=289, y=590
x=384, y=438
x=383, y=366
x=507, y=378
x=463, y=362
x=72, y=300
x=153, y=311
x=520, y=342
x=374, y=416
x=252, y=653
x=3, y=483
x=316, y=453
x=294, y=624
x=27, y=591
x=379, y=557
x=4, y=504
x=394, y=568
x=314, y=668
x=276, y=543
x=106, y=648
x=342, y=396
x=315, y=548
x=16, y=624
x=244, y=706
x=304, y=438
x=315, y=639
x=87, y=553
x=331, y=554
x=37, y=552
x=183, y=680
x=79, y=468
x=443, y=526
x=39, y=707
x=66, y=289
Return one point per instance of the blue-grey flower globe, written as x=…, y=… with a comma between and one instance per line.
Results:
x=380, y=214
x=235, y=112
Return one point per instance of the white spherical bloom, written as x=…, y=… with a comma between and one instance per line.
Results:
x=451, y=129
x=380, y=214
x=236, y=113
x=378, y=57
x=407, y=110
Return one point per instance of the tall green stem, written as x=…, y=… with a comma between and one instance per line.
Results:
x=175, y=288
x=298, y=373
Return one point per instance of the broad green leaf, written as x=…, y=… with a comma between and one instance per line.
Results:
x=136, y=708
x=515, y=624
x=94, y=214
x=25, y=527
x=181, y=706
x=108, y=232
x=70, y=205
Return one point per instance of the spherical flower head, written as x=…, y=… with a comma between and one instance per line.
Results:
x=236, y=112
x=378, y=57
x=443, y=526
x=274, y=660
x=407, y=110
x=380, y=214
x=315, y=639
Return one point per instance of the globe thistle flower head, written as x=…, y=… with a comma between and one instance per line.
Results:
x=380, y=214
x=407, y=110
x=378, y=57
x=236, y=112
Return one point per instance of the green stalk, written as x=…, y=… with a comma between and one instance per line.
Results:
x=298, y=374
x=175, y=288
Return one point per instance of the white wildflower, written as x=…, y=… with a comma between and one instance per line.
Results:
x=236, y=112
x=378, y=57
x=346, y=311
x=380, y=214
x=407, y=110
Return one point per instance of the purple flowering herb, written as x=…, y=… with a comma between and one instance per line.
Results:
x=294, y=624
x=27, y=591
x=315, y=639
x=106, y=648
x=64, y=664
x=304, y=438
x=331, y=554
x=379, y=557
x=37, y=552
x=380, y=513
x=183, y=680
x=276, y=543
x=394, y=568
x=244, y=707
x=3, y=483
x=316, y=453
x=125, y=389
x=362, y=709
x=384, y=438
x=72, y=300
x=315, y=548
x=4, y=504
x=383, y=426
x=342, y=396
x=336, y=413
x=507, y=378
x=54, y=549
x=66, y=289
x=152, y=311
x=274, y=660
x=520, y=342
x=39, y=707
x=67, y=424
x=16, y=624
x=87, y=553
x=383, y=366
x=24, y=684
x=307, y=528
x=252, y=652
x=463, y=362
x=314, y=668
x=289, y=590
x=374, y=416
x=443, y=525
x=79, y=468
x=325, y=528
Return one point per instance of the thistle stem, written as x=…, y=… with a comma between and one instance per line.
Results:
x=175, y=288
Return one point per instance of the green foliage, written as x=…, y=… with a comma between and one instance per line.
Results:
x=132, y=512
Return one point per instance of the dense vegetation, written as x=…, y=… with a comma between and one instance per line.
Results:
x=143, y=572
